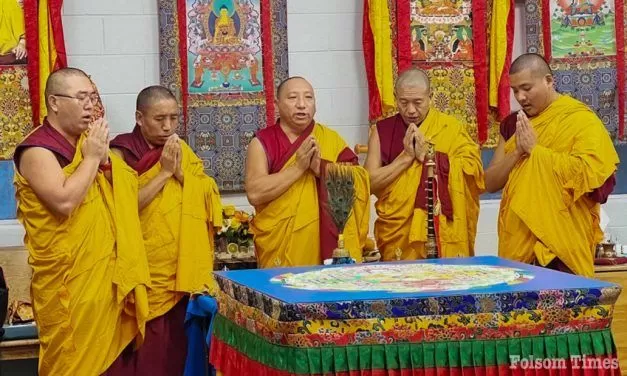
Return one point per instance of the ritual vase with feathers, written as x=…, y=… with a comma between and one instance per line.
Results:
x=431, y=246
x=341, y=196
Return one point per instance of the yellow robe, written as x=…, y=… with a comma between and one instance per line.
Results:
x=402, y=226
x=287, y=230
x=89, y=273
x=178, y=229
x=545, y=212
x=11, y=25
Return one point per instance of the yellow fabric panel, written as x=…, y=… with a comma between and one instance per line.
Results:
x=544, y=211
x=287, y=230
x=89, y=273
x=498, y=46
x=47, y=54
x=401, y=226
x=383, y=60
x=178, y=229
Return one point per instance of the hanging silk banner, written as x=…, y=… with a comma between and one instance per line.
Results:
x=451, y=41
x=584, y=41
x=223, y=59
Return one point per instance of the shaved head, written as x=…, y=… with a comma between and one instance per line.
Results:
x=413, y=95
x=412, y=78
x=152, y=94
x=285, y=83
x=532, y=83
x=56, y=82
x=534, y=62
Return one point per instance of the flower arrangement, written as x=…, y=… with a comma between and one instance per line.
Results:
x=234, y=241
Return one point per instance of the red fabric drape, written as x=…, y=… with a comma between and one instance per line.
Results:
x=182, y=30
x=504, y=89
x=268, y=61
x=480, y=66
x=620, y=64
x=53, y=30
x=374, y=97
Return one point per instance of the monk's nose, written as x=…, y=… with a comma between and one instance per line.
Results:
x=167, y=125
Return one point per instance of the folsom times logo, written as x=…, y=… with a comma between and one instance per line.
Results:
x=576, y=362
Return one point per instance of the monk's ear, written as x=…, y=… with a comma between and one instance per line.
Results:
x=549, y=80
x=53, y=103
x=139, y=118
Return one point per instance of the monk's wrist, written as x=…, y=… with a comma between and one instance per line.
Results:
x=92, y=160
x=406, y=158
x=166, y=174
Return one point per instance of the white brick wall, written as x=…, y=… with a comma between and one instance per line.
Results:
x=116, y=41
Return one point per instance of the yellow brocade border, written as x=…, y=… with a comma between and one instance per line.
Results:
x=306, y=333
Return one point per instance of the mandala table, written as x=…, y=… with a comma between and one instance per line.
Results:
x=479, y=316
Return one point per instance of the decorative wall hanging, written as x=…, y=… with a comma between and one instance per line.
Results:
x=27, y=56
x=223, y=59
x=584, y=40
x=451, y=41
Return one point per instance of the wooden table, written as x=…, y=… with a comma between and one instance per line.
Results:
x=617, y=274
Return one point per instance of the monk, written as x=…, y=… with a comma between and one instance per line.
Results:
x=396, y=162
x=286, y=166
x=555, y=163
x=12, y=37
x=179, y=207
x=82, y=232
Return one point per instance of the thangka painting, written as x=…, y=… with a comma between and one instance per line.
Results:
x=15, y=109
x=441, y=30
x=27, y=56
x=446, y=38
x=579, y=38
x=223, y=59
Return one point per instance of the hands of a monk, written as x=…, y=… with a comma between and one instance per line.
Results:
x=315, y=159
x=408, y=140
x=525, y=135
x=420, y=145
x=178, y=173
x=305, y=153
x=96, y=144
x=168, y=158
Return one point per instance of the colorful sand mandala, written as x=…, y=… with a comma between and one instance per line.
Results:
x=403, y=278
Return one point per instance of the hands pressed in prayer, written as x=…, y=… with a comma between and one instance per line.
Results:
x=525, y=136
x=305, y=153
x=315, y=159
x=96, y=143
x=420, y=145
x=170, y=156
x=408, y=140
x=178, y=172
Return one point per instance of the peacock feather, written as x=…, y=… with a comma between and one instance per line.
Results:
x=341, y=194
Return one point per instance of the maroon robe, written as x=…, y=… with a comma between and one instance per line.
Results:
x=164, y=350
x=137, y=152
x=600, y=195
x=279, y=150
x=165, y=347
x=391, y=134
x=47, y=137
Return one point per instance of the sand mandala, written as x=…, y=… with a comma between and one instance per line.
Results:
x=401, y=278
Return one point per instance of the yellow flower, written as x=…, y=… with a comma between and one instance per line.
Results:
x=235, y=223
x=229, y=210
x=241, y=216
